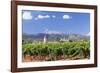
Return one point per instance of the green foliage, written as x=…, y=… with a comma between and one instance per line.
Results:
x=57, y=48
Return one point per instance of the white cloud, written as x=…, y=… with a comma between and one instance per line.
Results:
x=54, y=32
x=66, y=17
x=27, y=15
x=42, y=17
x=53, y=16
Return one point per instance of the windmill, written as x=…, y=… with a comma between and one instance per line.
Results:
x=45, y=37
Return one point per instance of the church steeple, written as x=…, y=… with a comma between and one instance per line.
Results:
x=45, y=37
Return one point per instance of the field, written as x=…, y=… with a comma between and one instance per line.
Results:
x=52, y=51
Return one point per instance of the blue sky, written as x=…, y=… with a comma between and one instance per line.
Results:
x=66, y=22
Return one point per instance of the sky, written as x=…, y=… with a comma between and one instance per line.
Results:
x=34, y=22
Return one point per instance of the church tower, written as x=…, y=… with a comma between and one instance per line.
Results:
x=45, y=37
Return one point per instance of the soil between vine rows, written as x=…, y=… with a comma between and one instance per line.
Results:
x=29, y=58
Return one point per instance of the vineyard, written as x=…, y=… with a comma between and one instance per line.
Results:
x=53, y=51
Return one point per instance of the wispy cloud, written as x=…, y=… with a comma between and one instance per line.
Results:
x=42, y=17
x=27, y=15
x=66, y=17
x=54, y=32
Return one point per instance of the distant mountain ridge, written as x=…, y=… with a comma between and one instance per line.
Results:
x=53, y=36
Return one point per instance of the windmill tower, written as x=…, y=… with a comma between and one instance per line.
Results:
x=45, y=37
